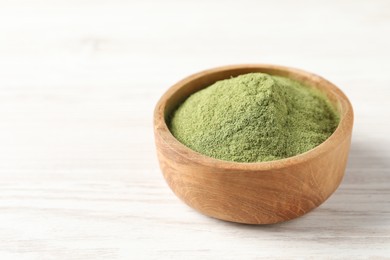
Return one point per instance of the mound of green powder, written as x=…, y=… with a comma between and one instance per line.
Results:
x=254, y=117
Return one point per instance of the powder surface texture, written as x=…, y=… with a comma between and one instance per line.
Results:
x=253, y=118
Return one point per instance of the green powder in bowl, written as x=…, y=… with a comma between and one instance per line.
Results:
x=254, y=117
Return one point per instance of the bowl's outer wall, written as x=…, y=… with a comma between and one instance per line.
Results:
x=254, y=196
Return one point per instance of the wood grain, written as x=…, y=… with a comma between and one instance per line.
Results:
x=253, y=193
x=79, y=81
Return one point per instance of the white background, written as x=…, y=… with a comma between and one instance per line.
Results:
x=79, y=79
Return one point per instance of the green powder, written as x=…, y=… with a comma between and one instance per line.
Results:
x=254, y=117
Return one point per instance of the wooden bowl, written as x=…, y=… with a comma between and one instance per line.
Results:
x=252, y=193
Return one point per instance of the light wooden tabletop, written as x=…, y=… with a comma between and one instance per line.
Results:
x=78, y=83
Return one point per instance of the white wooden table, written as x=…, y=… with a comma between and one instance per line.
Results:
x=79, y=178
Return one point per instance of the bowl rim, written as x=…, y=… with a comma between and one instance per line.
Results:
x=345, y=124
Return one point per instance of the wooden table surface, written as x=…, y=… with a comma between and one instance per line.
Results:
x=79, y=178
